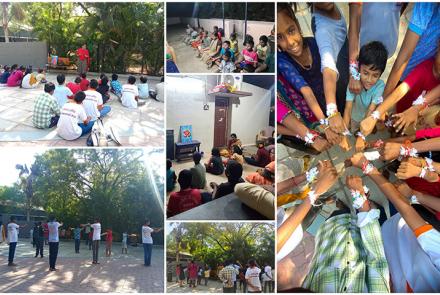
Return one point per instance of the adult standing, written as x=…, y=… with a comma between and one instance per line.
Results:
x=95, y=240
x=83, y=59
x=54, y=242
x=192, y=273
x=12, y=239
x=253, y=277
x=226, y=275
x=147, y=241
x=39, y=239
x=87, y=230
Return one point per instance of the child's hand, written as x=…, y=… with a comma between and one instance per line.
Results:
x=403, y=188
x=320, y=144
x=407, y=170
x=360, y=144
x=367, y=125
x=354, y=182
x=337, y=123
x=332, y=137
x=405, y=119
x=358, y=160
x=345, y=144
x=419, y=162
x=354, y=86
x=326, y=178
x=391, y=151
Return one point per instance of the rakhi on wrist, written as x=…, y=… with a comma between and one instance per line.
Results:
x=332, y=110
x=375, y=115
x=312, y=174
x=407, y=151
x=358, y=199
x=312, y=197
x=359, y=134
x=310, y=137
x=354, y=70
x=367, y=167
x=421, y=101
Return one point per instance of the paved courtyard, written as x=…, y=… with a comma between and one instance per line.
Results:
x=134, y=127
x=119, y=273
x=214, y=286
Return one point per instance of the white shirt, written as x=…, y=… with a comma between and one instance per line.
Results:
x=253, y=275
x=13, y=232
x=411, y=260
x=129, y=92
x=268, y=272
x=53, y=231
x=91, y=103
x=146, y=235
x=124, y=238
x=70, y=115
x=159, y=91
x=96, y=231
x=62, y=94
x=26, y=82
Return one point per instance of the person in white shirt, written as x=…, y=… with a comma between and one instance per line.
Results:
x=267, y=279
x=253, y=277
x=54, y=241
x=62, y=93
x=93, y=104
x=160, y=90
x=12, y=239
x=130, y=94
x=147, y=241
x=73, y=122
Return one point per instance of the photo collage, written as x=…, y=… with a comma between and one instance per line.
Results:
x=219, y=147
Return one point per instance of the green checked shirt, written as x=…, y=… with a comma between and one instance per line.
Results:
x=45, y=108
x=226, y=275
x=348, y=258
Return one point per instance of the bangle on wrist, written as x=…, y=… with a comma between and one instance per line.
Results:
x=358, y=199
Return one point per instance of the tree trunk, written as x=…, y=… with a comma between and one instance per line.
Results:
x=5, y=21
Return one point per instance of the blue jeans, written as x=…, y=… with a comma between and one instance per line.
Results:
x=86, y=128
x=77, y=243
x=12, y=251
x=105, y=110
x=148, y=248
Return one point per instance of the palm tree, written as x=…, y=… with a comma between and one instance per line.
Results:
x=27, y=179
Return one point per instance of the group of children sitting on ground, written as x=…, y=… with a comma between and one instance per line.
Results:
x=12, y=76
x=229, y=162
x=75, y=106
x=213, y=50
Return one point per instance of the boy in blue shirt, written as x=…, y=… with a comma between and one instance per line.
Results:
x=372, y=62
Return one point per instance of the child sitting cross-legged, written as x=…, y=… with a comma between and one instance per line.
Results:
x=62, y=93
x=262, y=48
x=204, y=45
x=216, y=59
x=46, y=110
x=226, y=65
x=130, y=94
x=72, y=113
x=144, y=91
x=249, y=59
x=215, y=164
x=5, y=75
x=234, y=44
x=116, y=86
x=75, y=85
x=104, y=88
x=372, y=62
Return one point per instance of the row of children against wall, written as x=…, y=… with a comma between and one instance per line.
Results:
x=226, y=54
